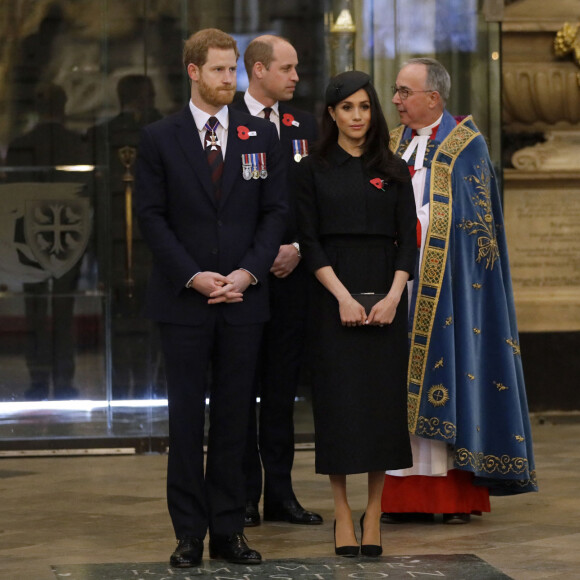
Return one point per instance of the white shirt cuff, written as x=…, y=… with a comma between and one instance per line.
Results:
x=254, y=279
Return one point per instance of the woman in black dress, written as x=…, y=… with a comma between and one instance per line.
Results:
x=358, y=236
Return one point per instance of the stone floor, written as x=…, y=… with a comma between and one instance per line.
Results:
x=65, y=511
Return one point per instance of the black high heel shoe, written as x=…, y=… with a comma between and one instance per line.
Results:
x=369, y=549
x=346, y=551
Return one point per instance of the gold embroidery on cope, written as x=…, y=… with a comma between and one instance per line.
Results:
x=500, y=386
x=395, y=139
x=440, y=183
x=449, y=321
x=438, y=395
x=431, y=427
x=433, y=266
x=476, y=331
x=476, y=286
x=483, y=226
x=441, y=223
x=491, y=463
x=416, y=363
x=457, y=138
x=434, y=261
x=412, y=406
x=438, y=364
x=429, y=149
x=477, y=461
x=424, y=313
x=515, y=346
x=470, y=376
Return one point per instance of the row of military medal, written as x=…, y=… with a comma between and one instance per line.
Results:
x=254, y=164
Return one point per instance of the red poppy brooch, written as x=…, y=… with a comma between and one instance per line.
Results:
x=289, y=120
x=244, y=133
x=378, y=183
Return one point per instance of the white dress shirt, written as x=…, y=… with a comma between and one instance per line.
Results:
x=201, y=118
x=257, y=110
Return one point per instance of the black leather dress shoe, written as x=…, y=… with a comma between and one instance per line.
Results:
x=290, y=511
x=252, y=517
x=456, y=518
x=187, y=554
x=233, y=549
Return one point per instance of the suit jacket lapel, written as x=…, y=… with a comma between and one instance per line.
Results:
x=285, y=136
x=286, y=133
x=188, y=139
x=242, y=106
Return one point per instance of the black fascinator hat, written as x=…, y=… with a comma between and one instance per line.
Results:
x=345, y=84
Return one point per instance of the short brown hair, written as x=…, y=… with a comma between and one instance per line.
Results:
x=258, y=51
x=261, y=50
x=197, y=45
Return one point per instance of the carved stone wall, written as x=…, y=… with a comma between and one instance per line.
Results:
x=541, y=94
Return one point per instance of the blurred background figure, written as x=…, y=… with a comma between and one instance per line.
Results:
x=51, y=229
x=114, y=148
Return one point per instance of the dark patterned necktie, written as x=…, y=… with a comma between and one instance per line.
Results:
x=267, y=112
x=214, y=155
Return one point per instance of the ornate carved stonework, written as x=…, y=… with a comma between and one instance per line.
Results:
x=567, y=41
x=560, y=152
x=537, y=96
x=541, y=91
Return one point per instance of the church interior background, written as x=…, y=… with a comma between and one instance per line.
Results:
x=79, y=366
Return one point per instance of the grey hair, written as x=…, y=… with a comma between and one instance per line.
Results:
x=438, y=78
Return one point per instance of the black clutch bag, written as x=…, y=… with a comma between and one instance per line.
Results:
x=368, y=299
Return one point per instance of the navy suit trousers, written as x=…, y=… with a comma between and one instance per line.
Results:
x=213, y=498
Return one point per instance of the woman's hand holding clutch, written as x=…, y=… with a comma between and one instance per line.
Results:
x=383, y=312
x=352, y=313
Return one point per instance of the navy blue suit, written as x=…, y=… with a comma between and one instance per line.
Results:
x=282, y=348
x=189, y=231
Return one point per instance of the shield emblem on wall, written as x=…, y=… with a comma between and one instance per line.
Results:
x=57, y=231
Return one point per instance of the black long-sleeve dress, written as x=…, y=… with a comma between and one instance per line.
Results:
x=366, y=230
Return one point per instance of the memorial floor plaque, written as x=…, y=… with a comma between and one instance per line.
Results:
x=454, y=566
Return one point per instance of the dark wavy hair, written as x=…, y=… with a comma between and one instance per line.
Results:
x=376, y=154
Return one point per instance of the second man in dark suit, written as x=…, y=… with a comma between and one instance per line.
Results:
x=271, y=64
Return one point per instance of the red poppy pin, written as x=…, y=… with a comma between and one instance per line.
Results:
x=288, y=120
x=378, y=183
x=244, y=133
